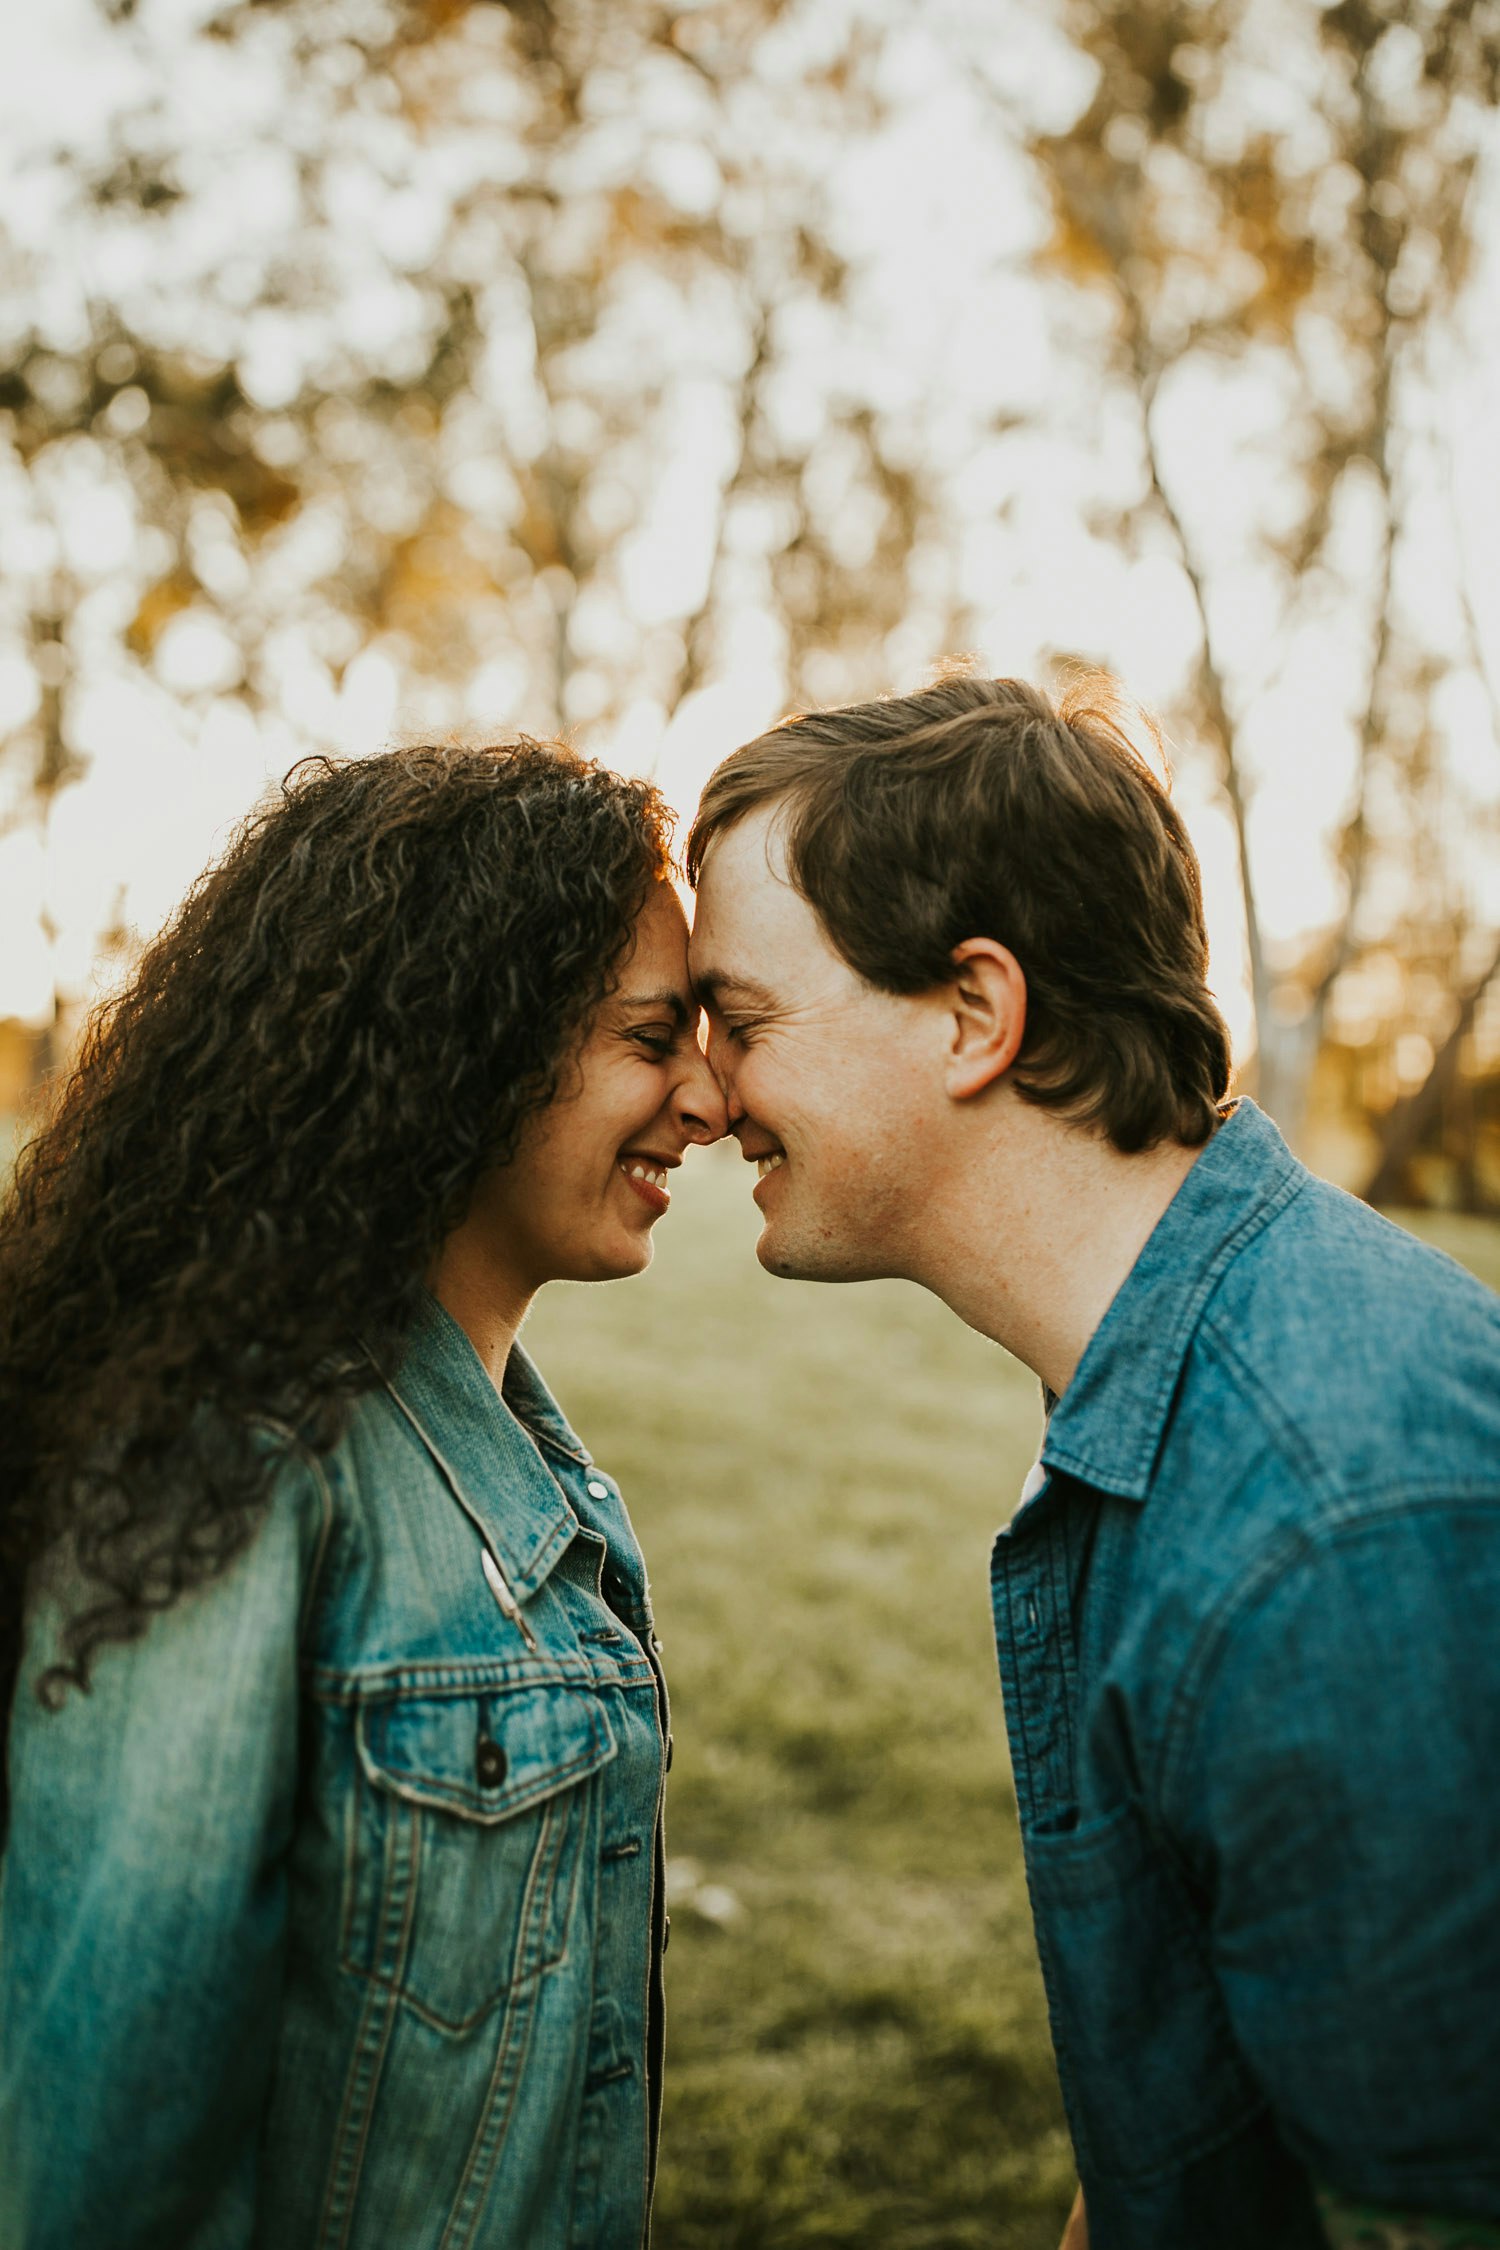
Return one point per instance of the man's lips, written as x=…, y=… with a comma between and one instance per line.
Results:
x=768, y=1163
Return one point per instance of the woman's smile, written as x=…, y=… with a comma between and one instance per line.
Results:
x=648, y=1176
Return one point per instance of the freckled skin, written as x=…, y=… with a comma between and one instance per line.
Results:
x=910, y=1151
x=838, y=1075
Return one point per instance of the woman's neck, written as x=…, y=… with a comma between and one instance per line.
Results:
x=487, y=1301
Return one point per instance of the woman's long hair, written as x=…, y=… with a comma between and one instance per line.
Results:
x=269, y=1134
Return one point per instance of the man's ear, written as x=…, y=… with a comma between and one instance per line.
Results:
x=987, y=1016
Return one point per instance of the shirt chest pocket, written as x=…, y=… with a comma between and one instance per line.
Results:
x=469, y=1817
x=1151, y=2074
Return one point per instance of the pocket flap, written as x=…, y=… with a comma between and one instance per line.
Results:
x=484, y=1756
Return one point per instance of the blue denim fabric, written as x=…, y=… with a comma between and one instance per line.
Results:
x=1248, y=1620
x=332, y=1915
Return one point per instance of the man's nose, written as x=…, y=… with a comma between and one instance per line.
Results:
x=700, y=1104
x=719, y=1064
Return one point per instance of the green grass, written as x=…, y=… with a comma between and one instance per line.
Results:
x=859, y=2055
x=857, y=2042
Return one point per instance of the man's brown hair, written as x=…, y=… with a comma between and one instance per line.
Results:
x=978, y=808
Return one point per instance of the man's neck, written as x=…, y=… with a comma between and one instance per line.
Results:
x=1032, y=1241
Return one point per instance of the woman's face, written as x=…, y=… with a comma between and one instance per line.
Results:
x=590, y=1177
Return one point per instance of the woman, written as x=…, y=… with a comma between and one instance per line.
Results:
x=331, y=1908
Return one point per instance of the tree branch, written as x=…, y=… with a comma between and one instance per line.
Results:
x=1211, y=687
x=697, y=631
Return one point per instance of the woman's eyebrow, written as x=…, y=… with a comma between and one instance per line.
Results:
x=679, y=1009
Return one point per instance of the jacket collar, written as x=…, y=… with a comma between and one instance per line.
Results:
x=488, y=1446
x=1107, y=1428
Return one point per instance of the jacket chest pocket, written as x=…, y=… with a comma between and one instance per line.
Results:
x=1151, y=2074
x=467, y=1824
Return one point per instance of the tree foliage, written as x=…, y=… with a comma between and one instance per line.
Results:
x=495, y=337
x=1280, y=200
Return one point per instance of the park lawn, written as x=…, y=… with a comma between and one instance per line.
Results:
x=857, y=2042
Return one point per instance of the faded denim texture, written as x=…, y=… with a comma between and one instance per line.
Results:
x=1248, y=1621
x=332, y=1916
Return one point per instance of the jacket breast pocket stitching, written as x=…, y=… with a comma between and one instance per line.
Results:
x=508, y=1873
x=530, y=1958
x=455, y=1798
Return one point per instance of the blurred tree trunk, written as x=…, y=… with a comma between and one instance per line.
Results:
x=1412, y=1119
x=1221, y=246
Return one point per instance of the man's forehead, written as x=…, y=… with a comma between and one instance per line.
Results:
x=745, y=891
x=756, y=940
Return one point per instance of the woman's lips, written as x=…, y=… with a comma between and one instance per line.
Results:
x=649, y=1181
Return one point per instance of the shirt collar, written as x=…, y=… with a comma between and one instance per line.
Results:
x=487, y=1445
x=1108, y=1425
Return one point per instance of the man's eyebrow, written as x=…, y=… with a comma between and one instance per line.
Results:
x=675, y=1005
x=716, y=986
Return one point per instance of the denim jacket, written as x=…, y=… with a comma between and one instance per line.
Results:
x=1248, y=1618
x=332, y=1915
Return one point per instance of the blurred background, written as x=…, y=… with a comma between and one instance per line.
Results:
x=639, y=369
x=370, y=368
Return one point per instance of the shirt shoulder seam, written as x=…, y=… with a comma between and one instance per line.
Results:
x=1347, y=1515
x=1292, y=1442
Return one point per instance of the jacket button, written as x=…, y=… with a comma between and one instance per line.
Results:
x=491, y=1763
x=596, y=1490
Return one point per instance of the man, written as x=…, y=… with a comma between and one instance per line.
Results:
x=1248, y=1608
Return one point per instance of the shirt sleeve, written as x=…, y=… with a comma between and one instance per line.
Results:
x=143, y=1910
x=1337, y=1796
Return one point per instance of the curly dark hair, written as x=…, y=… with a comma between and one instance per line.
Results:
x=229, y=1215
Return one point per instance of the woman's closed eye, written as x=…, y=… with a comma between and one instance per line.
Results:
x=657, y=1040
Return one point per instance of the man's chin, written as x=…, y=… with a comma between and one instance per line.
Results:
x=775, y=1261
x=781, y=1254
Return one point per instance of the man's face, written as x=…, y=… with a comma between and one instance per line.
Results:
x=833, y=1087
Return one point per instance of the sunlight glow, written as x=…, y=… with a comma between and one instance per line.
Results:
x=1037, y=545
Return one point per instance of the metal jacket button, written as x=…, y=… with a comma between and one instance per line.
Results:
x=491, y=1764
x=596, y=1490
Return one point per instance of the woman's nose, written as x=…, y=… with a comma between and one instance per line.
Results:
x=700, y=1104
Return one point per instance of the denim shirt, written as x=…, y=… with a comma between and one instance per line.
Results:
x=1248, y=1619
x=332, y=1915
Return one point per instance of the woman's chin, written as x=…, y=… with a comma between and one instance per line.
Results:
x=613, y=1260
x=636, y=1258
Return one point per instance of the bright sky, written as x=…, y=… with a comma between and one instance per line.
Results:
x=936, y=214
